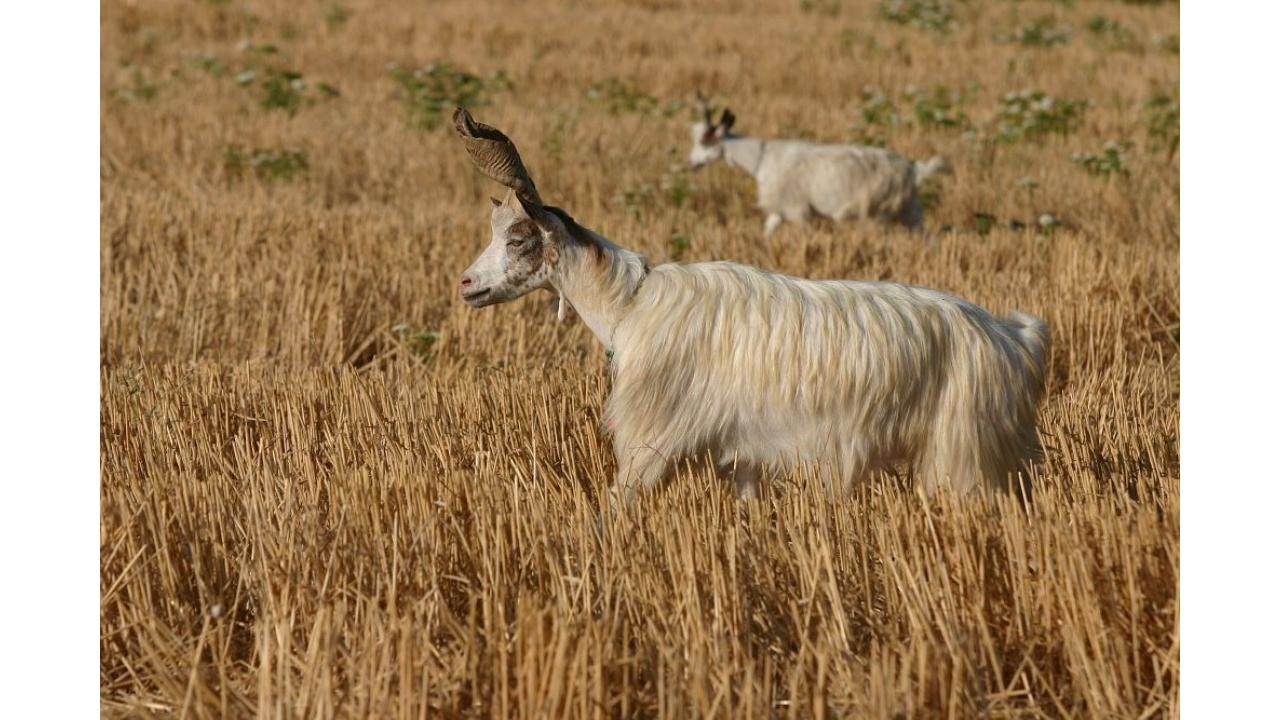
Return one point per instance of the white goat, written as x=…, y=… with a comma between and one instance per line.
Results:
x=763, y=370
x=796, y=178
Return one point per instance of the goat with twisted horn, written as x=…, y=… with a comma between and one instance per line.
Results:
x=763, y=371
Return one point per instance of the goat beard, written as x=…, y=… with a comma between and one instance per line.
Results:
x=560, y=307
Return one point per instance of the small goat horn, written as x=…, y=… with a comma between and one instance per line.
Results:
x=704, y=107
x=495, y=155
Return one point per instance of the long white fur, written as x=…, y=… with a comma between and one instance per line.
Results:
x=796, y=179
x=763, y=370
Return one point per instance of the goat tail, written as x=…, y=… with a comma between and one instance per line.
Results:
x=936, y=165
x=1033, y=334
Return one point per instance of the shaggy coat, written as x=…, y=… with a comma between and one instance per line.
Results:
x=764, y=370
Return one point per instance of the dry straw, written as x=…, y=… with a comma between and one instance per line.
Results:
x=329, y=489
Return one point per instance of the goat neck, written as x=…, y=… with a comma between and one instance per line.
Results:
x=745, y=152
x=599, y=280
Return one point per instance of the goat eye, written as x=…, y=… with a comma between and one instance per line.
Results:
x=515, y=242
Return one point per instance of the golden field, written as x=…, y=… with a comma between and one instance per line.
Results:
x=330, y=489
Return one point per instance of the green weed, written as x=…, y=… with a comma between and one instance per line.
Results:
x=265, y=163
x=1033, y=114
x=433, y=90
x=1106, y=163
x=933, y=15
x=1163, y=125
x=1040, y=32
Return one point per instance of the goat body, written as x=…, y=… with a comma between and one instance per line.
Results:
x=763, y=370
x=796, y=179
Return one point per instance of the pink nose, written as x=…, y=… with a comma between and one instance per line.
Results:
x=466, y=282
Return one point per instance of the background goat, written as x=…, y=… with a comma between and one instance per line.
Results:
x=796, y=178
x=763, y=370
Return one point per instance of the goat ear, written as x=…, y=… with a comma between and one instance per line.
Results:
x=496, y=202
x=726, y=122
x=537, y=214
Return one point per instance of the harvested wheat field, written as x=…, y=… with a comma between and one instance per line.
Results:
x=331, y=489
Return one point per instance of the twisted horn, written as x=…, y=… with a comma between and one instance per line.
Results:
x=495, y=156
